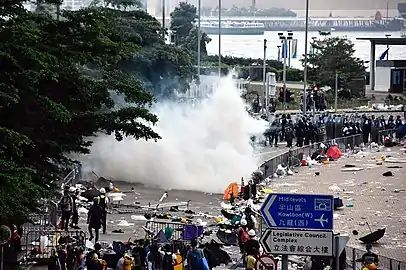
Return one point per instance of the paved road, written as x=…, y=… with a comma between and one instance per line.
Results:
x=377, y=200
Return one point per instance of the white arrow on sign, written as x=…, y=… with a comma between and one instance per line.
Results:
x=264, y=241
x=267, y=210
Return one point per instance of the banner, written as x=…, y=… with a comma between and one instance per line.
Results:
x=293, y=48
x=285, y=50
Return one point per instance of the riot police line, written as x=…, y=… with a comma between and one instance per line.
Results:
x=300, y=130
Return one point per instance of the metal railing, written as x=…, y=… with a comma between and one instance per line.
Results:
x=293, y=157
x=354, y=255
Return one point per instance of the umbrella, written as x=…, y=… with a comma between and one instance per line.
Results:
x=90, y=194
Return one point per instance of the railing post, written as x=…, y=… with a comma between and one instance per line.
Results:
x=354, y=260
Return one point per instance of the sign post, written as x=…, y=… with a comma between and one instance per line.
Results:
x=299, y=224
x=266, y=262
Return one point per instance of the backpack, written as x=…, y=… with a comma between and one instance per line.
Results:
x=244, y=236
x=167, y=262
x=66, y=203
x=101, y=201
x=195, y=259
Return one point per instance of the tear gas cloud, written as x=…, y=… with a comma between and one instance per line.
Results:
x=203, y=147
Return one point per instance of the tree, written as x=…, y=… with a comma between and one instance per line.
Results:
x=186, y=33
x=50, y=107
x=163, y=68
x=334, y=55
x=182, y=19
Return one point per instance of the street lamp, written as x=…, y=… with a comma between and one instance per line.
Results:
x=279, y=52
x=284, y=39
x=306, y=55
x=387, y=46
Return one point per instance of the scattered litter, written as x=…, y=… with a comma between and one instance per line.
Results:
x=350, y=204
x=124, y=223
x=138, y=217
x=355, y=169
x=388, y=173
x=349, y=166
x=394, y=167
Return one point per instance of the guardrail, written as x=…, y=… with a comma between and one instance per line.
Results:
x=385, y=263
x=293, y=157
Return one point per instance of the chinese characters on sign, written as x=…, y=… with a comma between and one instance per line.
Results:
x=298, y=242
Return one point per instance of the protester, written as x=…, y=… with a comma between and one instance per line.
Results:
x=66, y=206
x=194, y=257
x=94, y=220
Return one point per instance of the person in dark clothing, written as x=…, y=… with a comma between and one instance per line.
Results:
x=139, y=248
x=211, y=259
x=251, y=243
x=94, y=220
x=102, y=201
x=366, y=128
x=89, y=255
x=369, y=257
x=66, y=206
x=75, y=215
x=289, y=135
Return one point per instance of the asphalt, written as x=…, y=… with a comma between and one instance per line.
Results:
x=378, y=201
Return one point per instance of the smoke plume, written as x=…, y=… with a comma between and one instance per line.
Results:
x=203, y=147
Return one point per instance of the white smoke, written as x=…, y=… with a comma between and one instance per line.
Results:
x=203, y=147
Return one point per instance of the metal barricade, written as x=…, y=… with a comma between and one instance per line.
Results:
x=177, y=228
x=294, y=155
x=354, y=256
x=39, y=244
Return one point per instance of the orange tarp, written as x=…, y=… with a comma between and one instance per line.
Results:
x=231, y=189
x=334, y=153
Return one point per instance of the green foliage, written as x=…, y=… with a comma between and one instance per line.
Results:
x=334, y=55
x=236, y=11
x=50, y=105
x=184, y=30
x=182, y=19
x=163, y=68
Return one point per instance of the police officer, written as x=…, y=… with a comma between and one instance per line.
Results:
x=398, y=122
x=274, y=132
x=375, y=129
x=289, y=133
x=299, y=132
x=366, y=128
x=102, y=201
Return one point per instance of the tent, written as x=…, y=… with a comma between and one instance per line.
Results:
x=231, y=190
x=334, y=153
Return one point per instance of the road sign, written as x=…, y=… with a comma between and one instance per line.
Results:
x=266, y=262
x=298, y=242
x=299, y=211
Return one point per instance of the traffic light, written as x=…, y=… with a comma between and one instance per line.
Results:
x=340, y=82
x=289, y=97
x=280, y=97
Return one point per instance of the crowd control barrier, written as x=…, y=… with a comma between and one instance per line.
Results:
x=354, y=255
x=39, y=244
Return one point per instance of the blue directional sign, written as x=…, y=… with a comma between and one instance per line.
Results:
x=298, y=211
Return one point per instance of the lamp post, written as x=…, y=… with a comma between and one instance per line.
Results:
x=387, y=46
x=279, y=52
x=284, y=39
x=199, y=37
x=305, y=58
x=219, y=38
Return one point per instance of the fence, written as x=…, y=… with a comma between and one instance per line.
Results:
x=40, y=244
x=293, y=157
x=177, y=231
x=354, y=255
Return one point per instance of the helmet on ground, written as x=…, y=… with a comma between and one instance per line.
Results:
x=102, y=191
